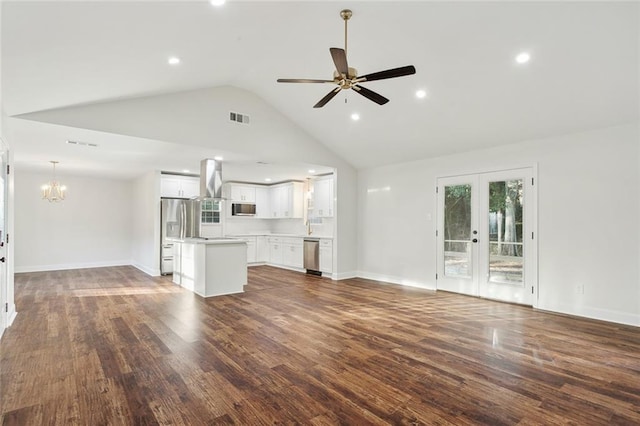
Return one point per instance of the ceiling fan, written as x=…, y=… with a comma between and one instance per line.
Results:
x=347, y=78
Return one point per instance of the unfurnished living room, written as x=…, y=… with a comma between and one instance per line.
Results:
x=319, y=212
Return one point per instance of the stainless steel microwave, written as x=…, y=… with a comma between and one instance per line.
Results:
x=243, y=209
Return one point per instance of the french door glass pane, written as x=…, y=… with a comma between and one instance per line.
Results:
x=457, y=230
x=505, y=231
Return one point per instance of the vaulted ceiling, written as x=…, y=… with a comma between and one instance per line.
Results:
x=583, y=72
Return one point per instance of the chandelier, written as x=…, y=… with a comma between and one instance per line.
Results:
x=53, y=191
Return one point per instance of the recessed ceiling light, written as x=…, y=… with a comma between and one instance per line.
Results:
x=218, y=158
x=355, y=116
x=217, y=2
x=174, y=60
x=523, y=58
x=267, y=179
x=311, y=171
x=185, y=171
x=421, y=94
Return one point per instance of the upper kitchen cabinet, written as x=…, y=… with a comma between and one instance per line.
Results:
x=243, y=193
x=287, y=200
x=263, y=202
x=323, y=197
x=177, y=186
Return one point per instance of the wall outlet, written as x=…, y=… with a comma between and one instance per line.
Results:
x=580, y=289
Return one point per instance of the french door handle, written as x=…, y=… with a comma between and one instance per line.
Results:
x=475, y=240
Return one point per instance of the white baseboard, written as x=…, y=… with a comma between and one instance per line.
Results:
x=395, y=280
x=289, y=268
x=11, y=316
x=66, y=266
x=593, y=313
x=344, y=275
x=149, y=271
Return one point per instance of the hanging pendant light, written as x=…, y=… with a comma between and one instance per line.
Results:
x=53, y=191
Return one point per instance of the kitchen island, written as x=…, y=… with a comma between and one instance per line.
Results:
x=210, y=267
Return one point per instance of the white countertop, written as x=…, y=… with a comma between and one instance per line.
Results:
x=208, y=240
x=266, y=234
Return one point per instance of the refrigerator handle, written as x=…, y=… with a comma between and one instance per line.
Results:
x=183, y=219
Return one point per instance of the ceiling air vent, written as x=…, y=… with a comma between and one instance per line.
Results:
x=238, y=118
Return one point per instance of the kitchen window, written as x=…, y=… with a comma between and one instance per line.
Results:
x=210, y=211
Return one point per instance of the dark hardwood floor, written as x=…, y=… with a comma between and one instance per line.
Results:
x=111, y=346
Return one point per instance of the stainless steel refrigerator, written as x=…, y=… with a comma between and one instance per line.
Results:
x=179, y=218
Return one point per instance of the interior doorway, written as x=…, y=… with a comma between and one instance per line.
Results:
x=486, y=235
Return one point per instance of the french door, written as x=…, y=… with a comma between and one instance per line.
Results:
x=485, y=235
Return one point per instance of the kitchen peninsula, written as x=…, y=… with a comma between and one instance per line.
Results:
x=210, y=266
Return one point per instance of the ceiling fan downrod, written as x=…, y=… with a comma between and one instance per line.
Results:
x=346, y=15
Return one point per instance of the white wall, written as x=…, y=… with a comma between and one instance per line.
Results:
x=588, y=219
x=91, y=227
x=145, y=223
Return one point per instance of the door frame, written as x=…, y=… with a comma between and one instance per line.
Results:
x=531, y=258
x=5, y=301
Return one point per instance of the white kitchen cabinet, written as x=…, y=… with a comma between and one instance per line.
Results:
x=323, y=197
x=276, y=201
x=275, y=251
x=177, y=263
x=263, y=203
x=287, y=200
x=176, y=186
x=184, y=269
x=292, y=253
x=212, y=268
x=286, y=252
x=243, y=193
x=262, y=249
x=326, y=256
x=251, y=249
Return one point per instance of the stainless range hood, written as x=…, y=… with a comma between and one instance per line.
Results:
x=211, y=179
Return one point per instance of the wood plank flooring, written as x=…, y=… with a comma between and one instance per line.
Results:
x=112, y=346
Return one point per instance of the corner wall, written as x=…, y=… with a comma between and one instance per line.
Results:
x=145, y=223
x=588, y=219
x=90, y=228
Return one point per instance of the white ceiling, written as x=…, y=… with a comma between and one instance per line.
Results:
x=583, y=73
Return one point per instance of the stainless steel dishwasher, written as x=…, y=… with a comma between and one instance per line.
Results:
x=312, y=256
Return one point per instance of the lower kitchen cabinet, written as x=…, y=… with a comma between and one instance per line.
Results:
x=286, y=252
x=292, y=253
x=326, y=256
x=262, y=249
x=275, y=251
x=251, y=249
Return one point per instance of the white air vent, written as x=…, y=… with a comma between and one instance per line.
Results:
x=238, y=118
x=92, y=145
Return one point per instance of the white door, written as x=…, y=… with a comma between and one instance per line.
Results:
x=486, y=231
x=457, y=230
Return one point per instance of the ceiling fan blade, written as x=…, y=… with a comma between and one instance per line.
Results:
x=322, y=102
x=302, y=80
x=340, y=59
x=395, y=72
x=370, y=94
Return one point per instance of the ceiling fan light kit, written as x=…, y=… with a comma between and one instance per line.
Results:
x=346, y=77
